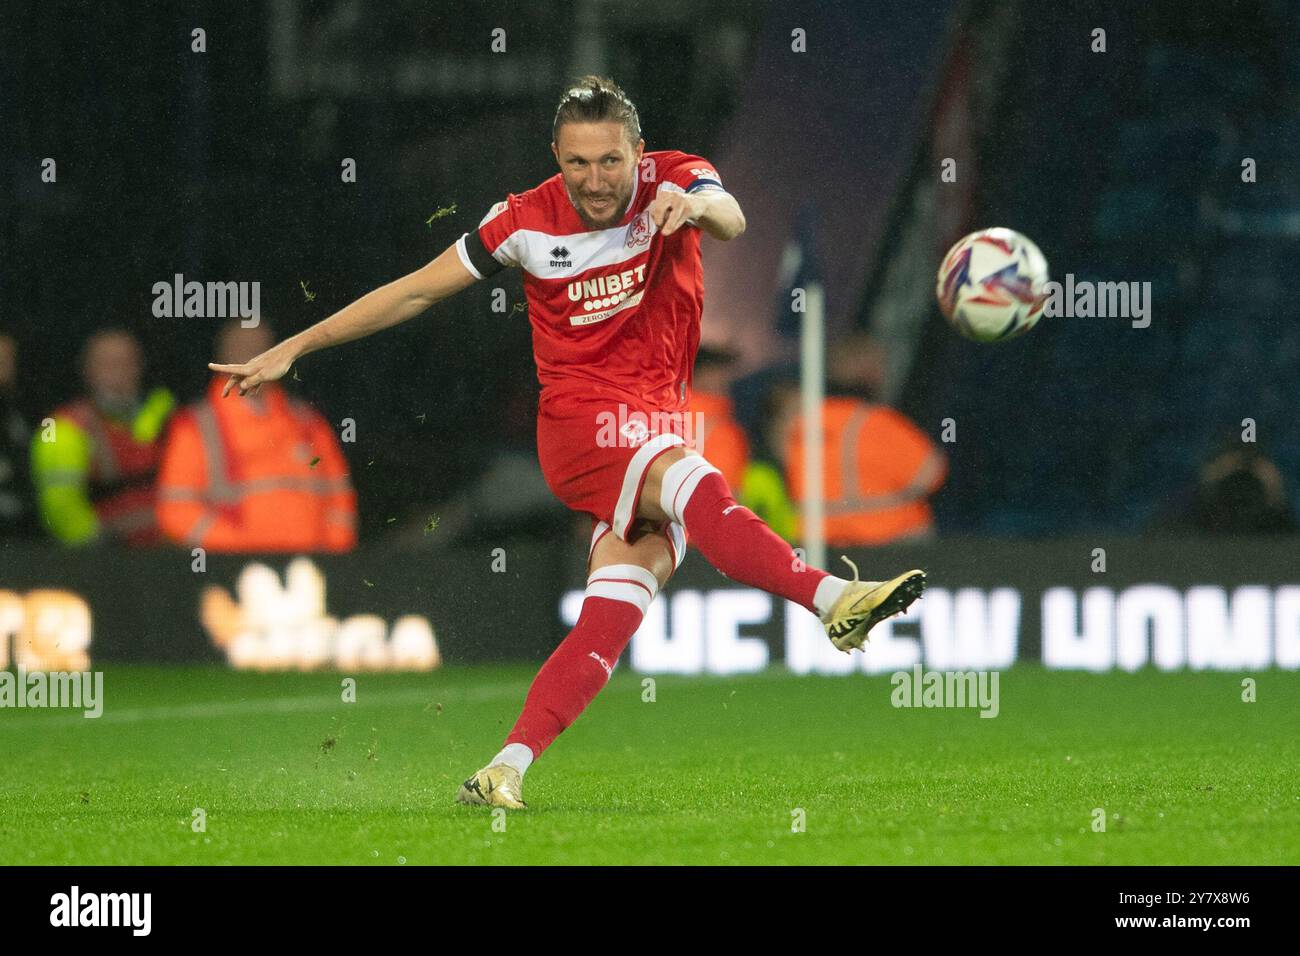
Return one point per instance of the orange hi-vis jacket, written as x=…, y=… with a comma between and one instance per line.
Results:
x=879, y=471
x=718, y=437
x=264, y=473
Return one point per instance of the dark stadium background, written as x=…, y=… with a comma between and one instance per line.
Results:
x=1131, y=612
x=200, y=164
x=1122, y=165
x=225, y=165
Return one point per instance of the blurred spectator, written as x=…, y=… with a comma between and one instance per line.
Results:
x=17, y=505
x=257, y=472
x=762, y=488
x=94, y=468
x=717, y=436
x=1239, y=491
x=879, y=469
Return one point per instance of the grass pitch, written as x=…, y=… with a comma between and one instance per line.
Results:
x=713, y=771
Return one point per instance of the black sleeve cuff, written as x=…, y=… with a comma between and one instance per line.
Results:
x=479, y=257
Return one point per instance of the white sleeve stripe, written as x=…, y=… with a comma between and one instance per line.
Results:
x=464, y=257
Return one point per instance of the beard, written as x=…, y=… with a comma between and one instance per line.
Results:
x=617, y=206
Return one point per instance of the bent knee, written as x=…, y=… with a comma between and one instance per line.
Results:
x=654, y=551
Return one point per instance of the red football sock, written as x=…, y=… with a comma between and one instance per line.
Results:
x=576, y=671
x=731, y=537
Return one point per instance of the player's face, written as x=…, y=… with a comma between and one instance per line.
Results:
x=599, y=167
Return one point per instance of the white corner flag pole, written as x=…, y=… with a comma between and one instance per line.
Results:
x=812, y=374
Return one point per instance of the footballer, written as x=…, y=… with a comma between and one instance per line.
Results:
x=610, y=253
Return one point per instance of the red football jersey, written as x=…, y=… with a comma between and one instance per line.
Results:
x=615, y=312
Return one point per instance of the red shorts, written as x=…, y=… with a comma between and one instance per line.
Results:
x=595, y=452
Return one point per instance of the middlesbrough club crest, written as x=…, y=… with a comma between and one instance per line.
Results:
x=636, y=432
x=639, y=232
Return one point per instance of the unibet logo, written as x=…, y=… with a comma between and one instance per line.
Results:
x=602, y=296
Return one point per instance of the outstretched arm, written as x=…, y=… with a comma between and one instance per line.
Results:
x=389, y=305
x=714, y=211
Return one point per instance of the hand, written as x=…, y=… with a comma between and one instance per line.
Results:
x=670, y=210
x=271, y=365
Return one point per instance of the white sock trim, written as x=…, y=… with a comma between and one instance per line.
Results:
x=632, y=572
x=514, y=755
x=679, y=484
x=624, y=582
x=829, y=590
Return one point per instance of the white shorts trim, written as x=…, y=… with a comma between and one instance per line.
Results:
x=602, y=528
x=634, y=478
x=677, y=540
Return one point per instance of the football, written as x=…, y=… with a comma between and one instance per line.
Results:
x=992, y=285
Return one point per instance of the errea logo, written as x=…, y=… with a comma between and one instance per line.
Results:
x=560, y=258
